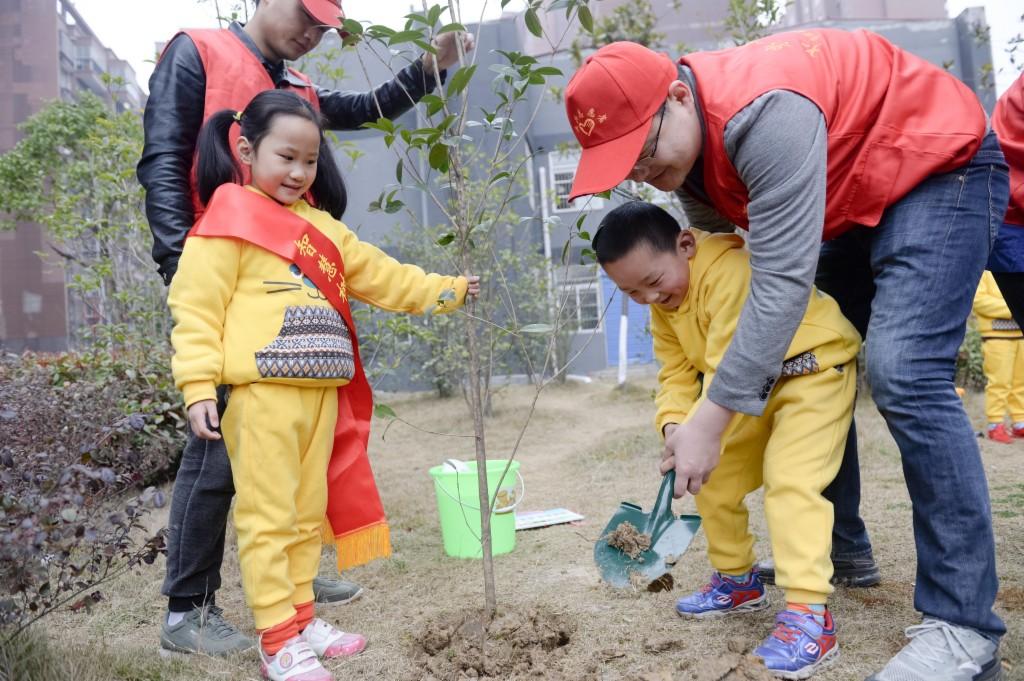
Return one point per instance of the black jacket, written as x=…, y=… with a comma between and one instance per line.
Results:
x=174, y=114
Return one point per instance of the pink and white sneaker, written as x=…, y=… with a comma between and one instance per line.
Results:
x=295, y=662
x=328, y=642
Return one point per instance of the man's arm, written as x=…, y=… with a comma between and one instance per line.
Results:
x=174, y=115
x=346, y=110
x=779, y=147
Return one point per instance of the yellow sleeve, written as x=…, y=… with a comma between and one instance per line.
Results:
x=723, y=291
x=678, y=379
x=198, y=298
x=988, y=301
x=375, y=278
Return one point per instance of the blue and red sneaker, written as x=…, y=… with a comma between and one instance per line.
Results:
x=724, y=596
x=800, y=645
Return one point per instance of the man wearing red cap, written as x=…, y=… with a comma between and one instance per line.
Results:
x=199, y=73
x=837, y=136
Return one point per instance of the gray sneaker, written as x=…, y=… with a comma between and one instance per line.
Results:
x=205, y=631
x=940, y=651
x=326, y=590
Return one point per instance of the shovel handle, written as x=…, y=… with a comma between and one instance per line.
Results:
x=663, y=504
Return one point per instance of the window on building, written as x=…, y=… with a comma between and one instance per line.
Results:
x=563, y=170
x=579, y=298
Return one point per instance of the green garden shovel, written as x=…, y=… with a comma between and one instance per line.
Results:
x=669, y=535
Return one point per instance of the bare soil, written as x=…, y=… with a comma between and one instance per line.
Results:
x=588, y=448
x=516, y=642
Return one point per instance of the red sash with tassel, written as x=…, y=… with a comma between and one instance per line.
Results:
x=354, y=509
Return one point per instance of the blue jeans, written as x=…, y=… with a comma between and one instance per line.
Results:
x=908, y=286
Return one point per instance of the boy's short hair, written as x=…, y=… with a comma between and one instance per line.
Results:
x=633, y=224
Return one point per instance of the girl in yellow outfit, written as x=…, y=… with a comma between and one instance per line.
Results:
x=696, y=286
x=1003, y=361
x=269, y=327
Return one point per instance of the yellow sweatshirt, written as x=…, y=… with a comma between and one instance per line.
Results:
x=243, y=314
x=692, y=339
x=994, y=318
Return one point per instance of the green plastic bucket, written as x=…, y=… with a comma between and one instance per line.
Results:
x=458, y=507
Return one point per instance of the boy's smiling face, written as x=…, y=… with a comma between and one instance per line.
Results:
x=653, y=277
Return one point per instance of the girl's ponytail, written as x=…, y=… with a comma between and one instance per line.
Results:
x=215, y=162
x=328, y=188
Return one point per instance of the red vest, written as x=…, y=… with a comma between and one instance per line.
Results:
x=893, y=119
x=234, y=75
x=1008, y=122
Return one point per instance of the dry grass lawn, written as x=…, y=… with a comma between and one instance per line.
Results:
x=587, y=448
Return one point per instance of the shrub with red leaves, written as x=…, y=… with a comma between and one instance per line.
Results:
x=81, y=435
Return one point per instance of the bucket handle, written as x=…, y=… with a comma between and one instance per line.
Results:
x=460, y=467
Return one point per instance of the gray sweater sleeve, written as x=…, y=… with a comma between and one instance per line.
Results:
x=778, y=144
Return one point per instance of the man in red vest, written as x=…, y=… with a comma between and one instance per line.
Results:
x=199, y=73
x=837, y=136
x=1007, y=260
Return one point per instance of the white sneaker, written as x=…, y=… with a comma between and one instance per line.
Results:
x=295, y=662
x=328, y=642
x=941, y=651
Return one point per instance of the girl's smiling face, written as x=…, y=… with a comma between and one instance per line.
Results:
x=283, y=164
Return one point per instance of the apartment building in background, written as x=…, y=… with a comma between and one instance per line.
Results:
x=47, y=52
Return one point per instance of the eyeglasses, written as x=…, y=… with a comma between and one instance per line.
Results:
x=647, y=157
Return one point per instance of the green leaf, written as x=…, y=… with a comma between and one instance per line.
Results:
x=500, y=176
x=548, y=71
x=383, y=411
x=352, y=27
x=448, y=28
x=404, y=37
x=433, y=102
x=446, y=239
x=460, y=80
x=533, y=24
x=536, y=328
x=399, y=170
x=439, y=158
x=585, y=235
x=604, y=195
x=589, y=253
x=585, y=17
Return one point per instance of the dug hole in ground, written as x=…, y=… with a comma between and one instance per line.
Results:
x=588, y=447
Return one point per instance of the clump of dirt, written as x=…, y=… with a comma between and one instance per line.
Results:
x=529, y=641
x=734, y=665
x=639, y=582
x=628, y=539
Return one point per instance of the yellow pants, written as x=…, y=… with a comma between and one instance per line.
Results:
x=794, y=449
x=1003, y=363
x=279, y=440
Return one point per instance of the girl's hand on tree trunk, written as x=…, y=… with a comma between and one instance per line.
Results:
x=203, y=419
x=473, y=289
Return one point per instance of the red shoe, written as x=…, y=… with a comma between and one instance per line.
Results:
x=999, y=434
x=1018, y=432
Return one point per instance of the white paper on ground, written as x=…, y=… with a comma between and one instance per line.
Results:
x=528, y=520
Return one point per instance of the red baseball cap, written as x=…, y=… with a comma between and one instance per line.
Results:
x=327, y=12
x=611, y=102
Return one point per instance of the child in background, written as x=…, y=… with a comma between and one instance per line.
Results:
x=1003, y=361
x=260, y=304
x=696, y=286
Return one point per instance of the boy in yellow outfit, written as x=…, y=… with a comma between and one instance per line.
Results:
x=1003, y=361
x=696, y=286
